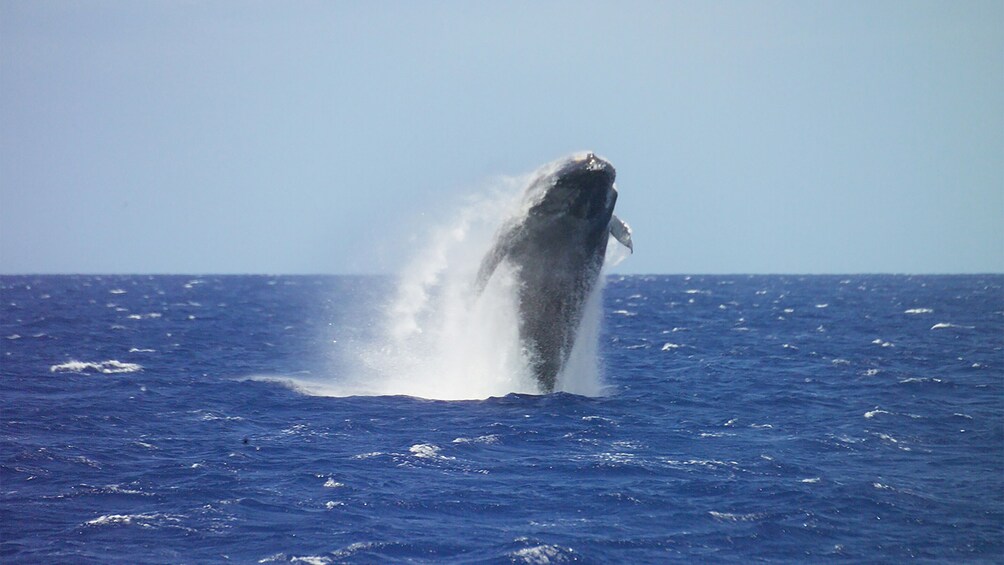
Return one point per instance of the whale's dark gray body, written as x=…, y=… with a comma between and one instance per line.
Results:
x=556, y=248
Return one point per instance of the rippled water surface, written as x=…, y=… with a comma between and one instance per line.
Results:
x=153, y=419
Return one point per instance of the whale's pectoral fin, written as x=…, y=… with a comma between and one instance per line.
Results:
x=488, y=266
x=492, y=259
x=621, y=232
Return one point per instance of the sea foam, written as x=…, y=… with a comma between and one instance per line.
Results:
x=107, y=367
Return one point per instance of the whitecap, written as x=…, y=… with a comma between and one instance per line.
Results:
x=921, y=380
x=311, y=560
x=427, y=451
x=488, y=439
x=352, y=548
x=872, y=413
x=332, y=483
x=670, y=346
x=733, y=517
x=918, y=311
x=150, y=316
x=708, y=463
x=209, y=416
x=946, y=325
x=543, y=554
x=145, y=520
x=116, y=489
x=107, y=367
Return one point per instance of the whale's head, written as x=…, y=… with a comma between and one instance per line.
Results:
x=581, y=186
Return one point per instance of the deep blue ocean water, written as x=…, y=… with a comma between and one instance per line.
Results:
x=747, y=418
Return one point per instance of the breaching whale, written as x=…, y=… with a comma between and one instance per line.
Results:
x=556, y=246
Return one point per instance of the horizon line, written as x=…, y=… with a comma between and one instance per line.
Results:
x=389, y=274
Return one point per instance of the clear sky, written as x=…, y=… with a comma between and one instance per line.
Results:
x=321, y=137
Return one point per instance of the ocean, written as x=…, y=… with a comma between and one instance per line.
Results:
x=315, y=419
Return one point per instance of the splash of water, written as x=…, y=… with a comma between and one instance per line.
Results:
x=441, y=341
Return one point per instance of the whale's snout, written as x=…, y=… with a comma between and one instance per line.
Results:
x=583, y=187
x=591, y=164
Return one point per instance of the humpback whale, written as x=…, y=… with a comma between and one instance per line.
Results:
x=555, y=246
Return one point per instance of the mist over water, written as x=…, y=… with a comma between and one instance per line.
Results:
x=439, y=340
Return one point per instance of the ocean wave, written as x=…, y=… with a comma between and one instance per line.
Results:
x=150, y=316
x=144, y=520
x=912, y=380
x=946, y=325
x=544, y=554
x=109, y=367
x=712, y=464
x=486, y=439
x=428, y=451
x=733, y=517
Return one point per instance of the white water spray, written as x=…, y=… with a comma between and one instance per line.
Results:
x=441, y=341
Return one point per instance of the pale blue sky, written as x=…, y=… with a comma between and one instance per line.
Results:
x=320, y=137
